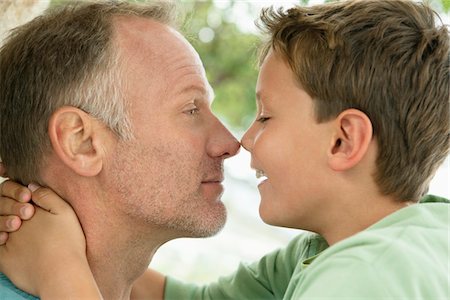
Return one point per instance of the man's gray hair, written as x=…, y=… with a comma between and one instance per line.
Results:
x=65, y=57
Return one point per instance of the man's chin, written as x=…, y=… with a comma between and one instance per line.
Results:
x=209, y=225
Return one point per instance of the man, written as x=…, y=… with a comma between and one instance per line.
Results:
x=110, y=103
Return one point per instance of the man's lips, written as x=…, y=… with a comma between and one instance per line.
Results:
x=212, y=188
x=215, y=179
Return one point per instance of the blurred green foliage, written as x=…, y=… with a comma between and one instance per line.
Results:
x=446, y=5
x=229, y=55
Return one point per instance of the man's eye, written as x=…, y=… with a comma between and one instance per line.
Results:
x=192, y=111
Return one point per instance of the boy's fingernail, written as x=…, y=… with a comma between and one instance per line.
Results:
x=24, y=196
x=12, y=223
x=25, y=211
x=33, y=186
x=9, y=224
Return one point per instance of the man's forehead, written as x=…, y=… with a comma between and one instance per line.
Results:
x=147, y=38
x=152, y=53
x=137, y=23
x=138, y=32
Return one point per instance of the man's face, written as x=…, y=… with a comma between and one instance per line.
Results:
x=169, y=176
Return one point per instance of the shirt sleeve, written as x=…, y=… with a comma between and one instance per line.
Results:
x=267, y=278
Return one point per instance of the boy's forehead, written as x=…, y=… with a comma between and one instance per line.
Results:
x=273, y=71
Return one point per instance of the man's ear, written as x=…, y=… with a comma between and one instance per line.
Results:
x=75, y=141
x=352, y=134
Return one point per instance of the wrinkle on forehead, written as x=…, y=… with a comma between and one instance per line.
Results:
x=157, y=55
x=150, y=39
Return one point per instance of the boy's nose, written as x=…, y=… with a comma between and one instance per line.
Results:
x=247, y=140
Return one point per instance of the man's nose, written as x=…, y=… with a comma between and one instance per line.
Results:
x=223, y=144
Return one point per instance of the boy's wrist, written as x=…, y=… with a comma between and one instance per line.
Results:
x=73, y=279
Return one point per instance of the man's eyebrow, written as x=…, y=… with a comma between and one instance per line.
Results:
x=193, y=87
x=205, y=91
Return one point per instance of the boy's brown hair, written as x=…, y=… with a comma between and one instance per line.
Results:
x=386, y=58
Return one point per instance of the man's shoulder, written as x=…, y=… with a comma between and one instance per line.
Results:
x=8, y=291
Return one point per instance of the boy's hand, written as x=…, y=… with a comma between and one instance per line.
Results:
x=47, y=256
x=14, y=207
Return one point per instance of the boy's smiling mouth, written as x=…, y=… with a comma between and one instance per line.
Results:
x=261, y=176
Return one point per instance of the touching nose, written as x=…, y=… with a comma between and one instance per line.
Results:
x=247, y=140
x=224, y=144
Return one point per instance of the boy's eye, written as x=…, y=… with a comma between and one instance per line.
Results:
x=263, y=119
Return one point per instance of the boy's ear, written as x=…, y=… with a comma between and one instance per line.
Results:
x=75, y=141
x=352, y=134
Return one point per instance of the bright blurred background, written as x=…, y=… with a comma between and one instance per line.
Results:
x=224, y=34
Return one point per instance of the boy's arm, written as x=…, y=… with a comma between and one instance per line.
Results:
x=74, y=282
x=267, y=278
x=46, y=257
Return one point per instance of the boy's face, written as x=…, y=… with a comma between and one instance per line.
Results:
x=289, y=146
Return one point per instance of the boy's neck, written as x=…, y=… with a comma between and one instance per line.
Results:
x=353, y=201
x=358, y=214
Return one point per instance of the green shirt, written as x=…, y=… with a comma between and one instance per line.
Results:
x=403, y=256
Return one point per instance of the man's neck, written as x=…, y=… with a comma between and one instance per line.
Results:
x=119, y=249
x=116, y=257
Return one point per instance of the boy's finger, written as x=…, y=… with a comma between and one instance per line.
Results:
x=47, y=199
x=3, y=238
x=15, y=191
x=9, y=223
x=10, y=207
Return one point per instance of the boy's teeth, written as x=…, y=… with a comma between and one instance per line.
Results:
x=260, y=174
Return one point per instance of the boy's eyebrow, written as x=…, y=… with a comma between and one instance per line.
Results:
x=258, y=95
x=258, y=100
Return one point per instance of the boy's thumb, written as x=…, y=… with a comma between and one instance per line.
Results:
x=47, y=199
